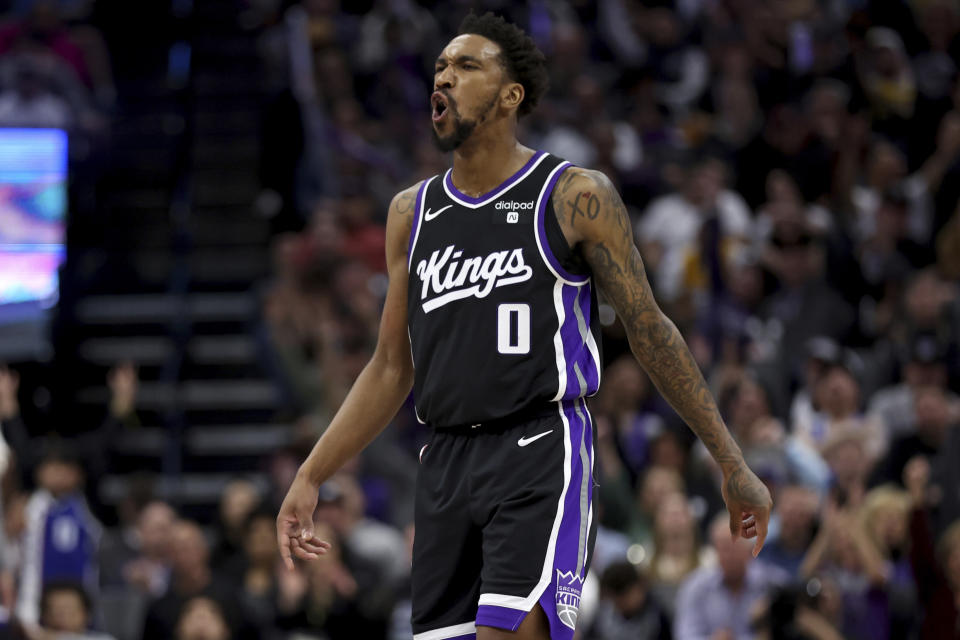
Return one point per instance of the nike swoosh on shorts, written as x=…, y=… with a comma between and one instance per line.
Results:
x=525, y=441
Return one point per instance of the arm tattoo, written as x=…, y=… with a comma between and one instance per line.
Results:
x=590, y=208
x=406, y=202
x=654, y=339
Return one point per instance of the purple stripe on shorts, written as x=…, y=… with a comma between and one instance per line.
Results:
x=561, y=600
x=496, y=191
x=417, y=213
x=542, y=229
x=489, y=615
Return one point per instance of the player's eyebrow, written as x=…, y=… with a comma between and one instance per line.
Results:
x=459, y=60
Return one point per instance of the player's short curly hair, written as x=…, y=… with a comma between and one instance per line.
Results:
x=521, y=58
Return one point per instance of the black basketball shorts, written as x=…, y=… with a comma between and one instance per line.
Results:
x=504, y=521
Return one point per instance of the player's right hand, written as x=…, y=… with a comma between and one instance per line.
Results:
x=295, y=523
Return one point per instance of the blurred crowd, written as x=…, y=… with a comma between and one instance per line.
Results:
x=54, y=67
x=791, y=169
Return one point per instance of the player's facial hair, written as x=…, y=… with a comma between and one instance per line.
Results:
x=462, y=129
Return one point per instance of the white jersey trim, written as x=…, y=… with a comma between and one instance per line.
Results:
x=418, y=221
x=558, y=341
x=447, y=632
x=536, y=227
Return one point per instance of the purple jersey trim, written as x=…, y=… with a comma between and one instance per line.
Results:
x=542, y=229
x=489, y=615
x=576, y=351
x=489, y=195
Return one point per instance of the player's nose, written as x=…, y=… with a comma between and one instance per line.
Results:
x=444, y=79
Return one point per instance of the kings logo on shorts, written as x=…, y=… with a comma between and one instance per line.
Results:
x=569, y=586
x=446, y=277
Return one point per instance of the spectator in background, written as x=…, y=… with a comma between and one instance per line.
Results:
x=680, y=69
x=623, y=402
x=15, y=432
x=844, y=553
x=328, y=598
x=628, y=608
x=92, y=448
x=657, y=483
x=202, y=619
x=29, y=103
x=62, y=538
x=789, y=613
x=240, y=498
x=192, y=577
x=837, y=396
x=142, y=562
x=887, y=78
x=885, y=517
x=717, y=602
x=255, y=571
x=764, y=439
x=821, y=353
x=936, y=564
x=945, y=478
x=676, y=550
x=795, y=514
x=669, y=229
x=373, y=550
x=925, y=366
x=806, y=305
x=934, y=419
x=66, y=613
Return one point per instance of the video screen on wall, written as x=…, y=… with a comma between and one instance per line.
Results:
x=33, y=208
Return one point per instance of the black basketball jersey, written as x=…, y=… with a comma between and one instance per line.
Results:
x=499, y=319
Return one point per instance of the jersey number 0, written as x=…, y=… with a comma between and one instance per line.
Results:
x=512, y=341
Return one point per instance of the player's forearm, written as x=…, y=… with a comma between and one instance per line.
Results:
x=373, y=401
x=664, y=355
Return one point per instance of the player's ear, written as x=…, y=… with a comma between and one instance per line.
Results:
x=512, y=95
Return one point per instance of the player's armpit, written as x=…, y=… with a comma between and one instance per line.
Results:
x=594, y=218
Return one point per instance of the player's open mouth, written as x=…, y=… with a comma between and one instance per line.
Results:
x=439, y=103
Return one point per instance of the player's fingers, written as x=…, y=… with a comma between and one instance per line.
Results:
x=304, y=555
x=315, y=546
x=283, y=542
x=735, y=522
x=761, y=533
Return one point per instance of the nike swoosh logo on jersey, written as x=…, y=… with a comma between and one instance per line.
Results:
x=428, y=216
x=525, y=441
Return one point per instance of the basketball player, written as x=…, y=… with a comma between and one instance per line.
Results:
x=491, y=317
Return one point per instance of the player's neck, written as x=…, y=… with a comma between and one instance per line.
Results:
x=480, y=165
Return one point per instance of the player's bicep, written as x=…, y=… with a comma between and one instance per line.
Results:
x=592, y=211
x=393, y=342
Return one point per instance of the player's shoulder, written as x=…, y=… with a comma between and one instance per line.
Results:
x=582, y=178
x=404, y=203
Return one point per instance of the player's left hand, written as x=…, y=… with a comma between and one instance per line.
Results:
x=749, y=503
